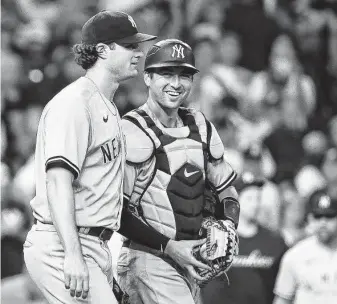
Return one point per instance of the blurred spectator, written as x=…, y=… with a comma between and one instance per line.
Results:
x=258, y=161
x=163, y=18
x=204, y=38
x=308, y=272
x=308, y=180
x=329, y=163
x=11, y=77
x=33, y=41
x=22, y=126
x=20, y=145
x=20, y=289
x=313, y=199
x=292, y=214
x=10, y=18
x=332, y=128
x=315, y=144
x=224, y=86
x=329, y=170
x=283, y=98
x=256, y=31
x=315, y=27
x=47, y=11
x=211, y=12
x=283, y=91
x=5, y=170
x=128, y=6
x=235, y=158
x=253, y=272
x=23, y=184
x=15, y=222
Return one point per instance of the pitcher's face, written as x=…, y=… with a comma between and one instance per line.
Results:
x=123, y=60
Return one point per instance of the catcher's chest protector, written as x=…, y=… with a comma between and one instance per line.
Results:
x=174, y=199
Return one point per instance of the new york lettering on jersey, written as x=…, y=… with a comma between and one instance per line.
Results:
x=111, y=150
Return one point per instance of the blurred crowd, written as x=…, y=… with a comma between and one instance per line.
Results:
x=268, y=81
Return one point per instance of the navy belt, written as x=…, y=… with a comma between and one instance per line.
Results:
x=102, y=233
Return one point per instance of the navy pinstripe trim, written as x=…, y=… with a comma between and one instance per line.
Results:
x=126, y=196
x=227, y=182
x=62, y=162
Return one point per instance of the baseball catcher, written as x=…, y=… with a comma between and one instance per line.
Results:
x=173, y=154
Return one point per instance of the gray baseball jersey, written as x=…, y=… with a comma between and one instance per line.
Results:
x=79, y=130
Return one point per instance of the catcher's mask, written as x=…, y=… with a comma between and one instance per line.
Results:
x=170, y=53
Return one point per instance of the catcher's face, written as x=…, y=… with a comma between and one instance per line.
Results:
x=249, y=203
x=169, y=86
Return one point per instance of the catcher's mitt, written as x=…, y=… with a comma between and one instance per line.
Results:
x=222, y=244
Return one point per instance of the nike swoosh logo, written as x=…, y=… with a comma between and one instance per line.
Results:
x=105, y=119
x=188, y=174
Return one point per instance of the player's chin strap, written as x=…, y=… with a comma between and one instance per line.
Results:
x=121, y=296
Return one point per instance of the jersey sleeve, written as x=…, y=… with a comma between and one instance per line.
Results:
x=136, y=179
x=66, y=137
x=219, y=171
x=130, y=175
x=285, y=286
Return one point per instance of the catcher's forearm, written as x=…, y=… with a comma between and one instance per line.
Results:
x=229, y=205
x=136, y=230
x=231, y=210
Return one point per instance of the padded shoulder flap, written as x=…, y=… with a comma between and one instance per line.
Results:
x=139, y=146
x=216, y=148
x=208, y=134
x=200, y=121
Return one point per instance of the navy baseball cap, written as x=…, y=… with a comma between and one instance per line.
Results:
x=170, y=53
x=109, y=26
x=320, y=203
x=248, y=179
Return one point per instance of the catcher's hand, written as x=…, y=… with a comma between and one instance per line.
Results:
x=222, y=244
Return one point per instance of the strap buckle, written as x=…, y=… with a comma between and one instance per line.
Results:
x=105, y=234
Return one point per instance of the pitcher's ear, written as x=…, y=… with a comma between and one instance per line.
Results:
x=147, y=78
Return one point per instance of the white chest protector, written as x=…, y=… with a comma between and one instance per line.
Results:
x=173, y=200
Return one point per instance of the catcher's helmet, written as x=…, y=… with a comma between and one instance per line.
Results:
x=170, y=53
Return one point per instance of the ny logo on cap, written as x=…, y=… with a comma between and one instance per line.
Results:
x=324, y=202
x=178, y=51
x=132, y=21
